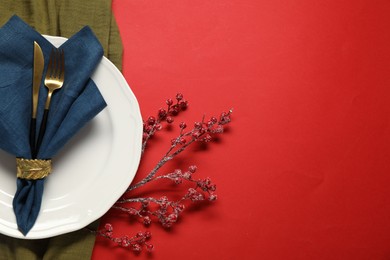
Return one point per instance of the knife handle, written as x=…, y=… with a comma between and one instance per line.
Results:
x=33, y=125
x=42, y=130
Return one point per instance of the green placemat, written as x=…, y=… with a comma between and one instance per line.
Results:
x=62, y=18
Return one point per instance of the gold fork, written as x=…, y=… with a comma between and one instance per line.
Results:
x=54, y=80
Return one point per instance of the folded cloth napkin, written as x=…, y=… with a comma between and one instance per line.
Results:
x=77, y=102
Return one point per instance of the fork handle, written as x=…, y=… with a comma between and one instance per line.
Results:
x=42, y=130
x=33, y=125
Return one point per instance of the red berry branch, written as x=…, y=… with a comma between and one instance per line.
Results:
x=134, y=243
x=162, y=209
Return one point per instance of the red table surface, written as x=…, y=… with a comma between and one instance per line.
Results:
x=303, y=172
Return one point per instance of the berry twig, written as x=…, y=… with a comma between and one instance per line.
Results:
x=135, y=243
x=167, y=211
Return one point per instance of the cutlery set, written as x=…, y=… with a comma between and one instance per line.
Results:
x=54, y=80
x=40, y=113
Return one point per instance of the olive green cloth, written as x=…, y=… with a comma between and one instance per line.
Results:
x=65, y=18
x=75, y=245
x=62, y=18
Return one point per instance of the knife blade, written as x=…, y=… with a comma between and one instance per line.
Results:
x=37, y=79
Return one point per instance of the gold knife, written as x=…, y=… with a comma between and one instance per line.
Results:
x=37, y=79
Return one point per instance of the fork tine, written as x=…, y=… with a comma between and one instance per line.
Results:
x=54, y=75
x=50, y=65
x=56, y=64
x=62, y=67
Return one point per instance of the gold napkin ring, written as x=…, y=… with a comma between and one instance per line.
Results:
x=30, y=169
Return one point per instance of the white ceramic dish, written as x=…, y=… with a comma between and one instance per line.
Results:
x=91, y=172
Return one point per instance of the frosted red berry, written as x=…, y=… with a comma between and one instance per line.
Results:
x=162, y=113
x=183, y=125
x=169, y=120
x=151, y=120
x=108, y=227
x=149, y=247
x=169, y=102
x=179, y=96
x=192, y=168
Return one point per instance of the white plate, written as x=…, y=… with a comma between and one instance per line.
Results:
x=91, y=172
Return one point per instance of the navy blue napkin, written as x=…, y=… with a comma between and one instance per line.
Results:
x=77, y=102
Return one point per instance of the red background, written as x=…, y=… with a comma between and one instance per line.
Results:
x=303, y=172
